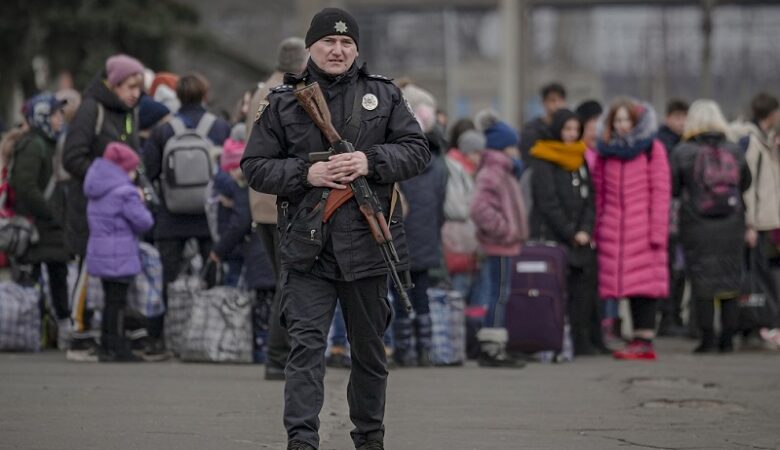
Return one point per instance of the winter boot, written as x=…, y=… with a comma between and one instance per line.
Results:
x=726, y=341
x=404, y=353
x=295, y=444
x=423, y=330
x=707, y=344
x=492, y=353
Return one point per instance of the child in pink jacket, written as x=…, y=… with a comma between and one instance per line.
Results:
x=498, y=212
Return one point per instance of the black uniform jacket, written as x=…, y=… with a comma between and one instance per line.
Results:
x=276, y=161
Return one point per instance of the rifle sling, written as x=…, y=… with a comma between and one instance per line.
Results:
x=338, y=197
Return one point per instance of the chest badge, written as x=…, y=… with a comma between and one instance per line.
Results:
x=370, y=102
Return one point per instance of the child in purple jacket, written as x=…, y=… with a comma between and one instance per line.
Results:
x=117, y=216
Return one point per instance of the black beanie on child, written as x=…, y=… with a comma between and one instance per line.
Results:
x=332, y=21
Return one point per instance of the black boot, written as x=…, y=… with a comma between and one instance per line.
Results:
x=493, y=349
x=295, y=444
x=726, y=342
x=707, y=344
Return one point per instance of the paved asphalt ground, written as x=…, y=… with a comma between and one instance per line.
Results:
x=680, y=402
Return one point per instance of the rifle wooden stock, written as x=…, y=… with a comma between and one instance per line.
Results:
x=313, y=102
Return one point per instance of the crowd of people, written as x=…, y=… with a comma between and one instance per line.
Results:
x=641, y=208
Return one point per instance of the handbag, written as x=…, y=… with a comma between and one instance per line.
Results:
x=758, y=301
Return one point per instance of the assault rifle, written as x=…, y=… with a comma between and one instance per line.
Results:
x=313, y=102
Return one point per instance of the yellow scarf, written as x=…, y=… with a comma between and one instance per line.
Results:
x=569, y=156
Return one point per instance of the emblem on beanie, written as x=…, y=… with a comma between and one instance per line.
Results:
x=341, y=27
x=370, y=102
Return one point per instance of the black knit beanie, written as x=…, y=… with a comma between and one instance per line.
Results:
x=332, y=21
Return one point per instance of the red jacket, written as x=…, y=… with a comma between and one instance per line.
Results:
x=632, y=224
x=497, y=208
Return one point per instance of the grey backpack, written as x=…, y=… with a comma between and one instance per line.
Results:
x=187, y=166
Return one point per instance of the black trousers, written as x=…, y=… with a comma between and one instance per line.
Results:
x=584, y=308
x=172, y=259
x=729, y=314
x=115, y=294
x=58, y=284
x=643, y=312
x=672, y=307
x=278, y=340
x=308, y=305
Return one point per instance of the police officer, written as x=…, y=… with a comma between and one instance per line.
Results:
x=390, y=147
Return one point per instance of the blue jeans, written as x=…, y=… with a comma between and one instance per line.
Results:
x=494, y=289
x=232, y=272
x=465, y=284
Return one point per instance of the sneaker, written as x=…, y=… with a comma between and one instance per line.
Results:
x=82, y=349
x=154, y=350
x=636, y=350
x=295, y=444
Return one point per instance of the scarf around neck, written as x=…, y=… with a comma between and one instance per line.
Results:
x=625, y=149
x=568, y=156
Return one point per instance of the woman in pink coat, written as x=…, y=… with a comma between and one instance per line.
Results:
x=632, y=183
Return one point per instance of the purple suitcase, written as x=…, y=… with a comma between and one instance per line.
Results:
x=536, y=302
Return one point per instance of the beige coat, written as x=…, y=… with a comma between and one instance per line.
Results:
x=263, y=205
x=763, y=210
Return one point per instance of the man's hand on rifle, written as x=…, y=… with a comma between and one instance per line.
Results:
x=321, y=175
x=350, y=166
x=339, y=171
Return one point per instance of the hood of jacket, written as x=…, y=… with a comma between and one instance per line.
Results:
x=496, y=160
x=98, y=89
x=103, y=177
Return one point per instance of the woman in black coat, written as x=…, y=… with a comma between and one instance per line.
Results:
x=712, y=232
x=564, y=212
x=32, y=179
x=425, y=197
x=107, y=114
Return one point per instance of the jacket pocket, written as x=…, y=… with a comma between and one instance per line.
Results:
x=302, y=240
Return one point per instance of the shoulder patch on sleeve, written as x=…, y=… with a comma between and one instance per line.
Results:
x=379, y=77
x=261, y=110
